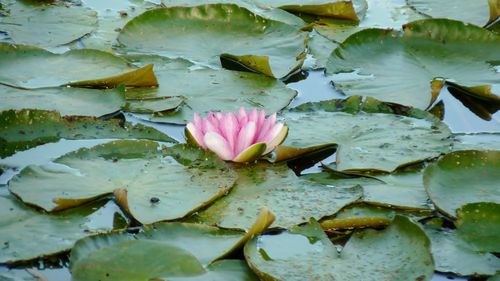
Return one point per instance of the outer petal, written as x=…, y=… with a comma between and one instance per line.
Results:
x=229, y=129
x=194, y=135
x=266, y=126
x=219, y=145
x=252, y=153
x=246, y=137
x=278, y=139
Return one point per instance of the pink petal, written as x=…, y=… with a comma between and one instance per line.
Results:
x=245, y=137
x=260, y=120
x=229, y=129
x=218, y=145
x=268, y=124
x=207, y=126
x=197, y=121
x=241, y=113
x=253, y=116
x=213, y=120
x=273, y=132
x=197, y=134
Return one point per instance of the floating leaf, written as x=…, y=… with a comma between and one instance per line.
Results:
x=67, y=101
x=463, y=177
x=359, y=216
x=452, y=254
x=187, y=247
x=477, y=141
x=380, y=13
x=149, y=187
x=378, y=136
x=341, y=9
x=28, y=234
x=306, y=253
x=411, y=67
x=265, y=46
x=46, y=24
x=224, y=270
x=291, y=199
x=475, y=12
x=31, y=67
x=320, y=49
x=205, y=90
x=24, y=129
x=479, y=224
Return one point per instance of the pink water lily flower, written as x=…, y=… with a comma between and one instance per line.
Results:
x=239, y=137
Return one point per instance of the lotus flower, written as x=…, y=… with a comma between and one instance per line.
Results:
x=239, y=137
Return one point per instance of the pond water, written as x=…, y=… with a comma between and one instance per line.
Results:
x=315, y=87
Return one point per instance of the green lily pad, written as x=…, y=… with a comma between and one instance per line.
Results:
x=411, y=67
x=320, y=48
x=341, y=9
x=477, y=141
x=496, y=277
x=204, y=90
x=169, y=250
x=24, y=129
x=67, y=101
x=452, y=254
x=306, y=253
x=112, y=20
x=46, y=24
x=30, y=67
x=463, y=177
x=148, y=186
x=475, y=12
x=359, y=216
x=28, y=234
x=479, y=224
x=223, y=270
x=291, y=199
x=262, y=10
x=371, y=135
x=262, y=45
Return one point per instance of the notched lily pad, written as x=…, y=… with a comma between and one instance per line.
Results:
x=262, y=45
x=188, y=247
x=67, y=101
x=306, y=253
x=30, y=67
x=24, y=129
x=204, y=90
x=411, y=67
x=479, y=224
x=46, y=24
x=371, y=135
x=290, y=198
x=147, y=185
x=28, y=234
x=463, y=177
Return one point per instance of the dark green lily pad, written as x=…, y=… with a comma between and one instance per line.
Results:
x=306, y=253
x=452, y=254
x=187, y=247
x=28, y=234
x=148, y=186
x=204, y=90
x=223, y=270
x=46, y=24
x=24, y=129
x=411, y=67
x=262, y=45
x=479, y=224
x=463, y=177
x=475, y=12
x=371, y=135
x=67, y=101
x=380, y=14
x=31, y=67
x=291, y=199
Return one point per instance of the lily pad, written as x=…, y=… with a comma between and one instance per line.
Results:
x=306, y=253
x=30, y=67
x=24, y=129
x=262, y=45
x=452, y=254
x=112, y=20
x=67, y=101
x=148, y=186
x=380, y=14
x=291, y=199
x=411, y=67
x=204, y=90
x=28, y=234
x=46, y=24
x=320, y=48
x=479, y=224
x=359, y=216
x=188, y=247
x=475, y=12
x=371, y=135
x=463, y=177
x=223, y=270
x=341, y=9
x=477, y=141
